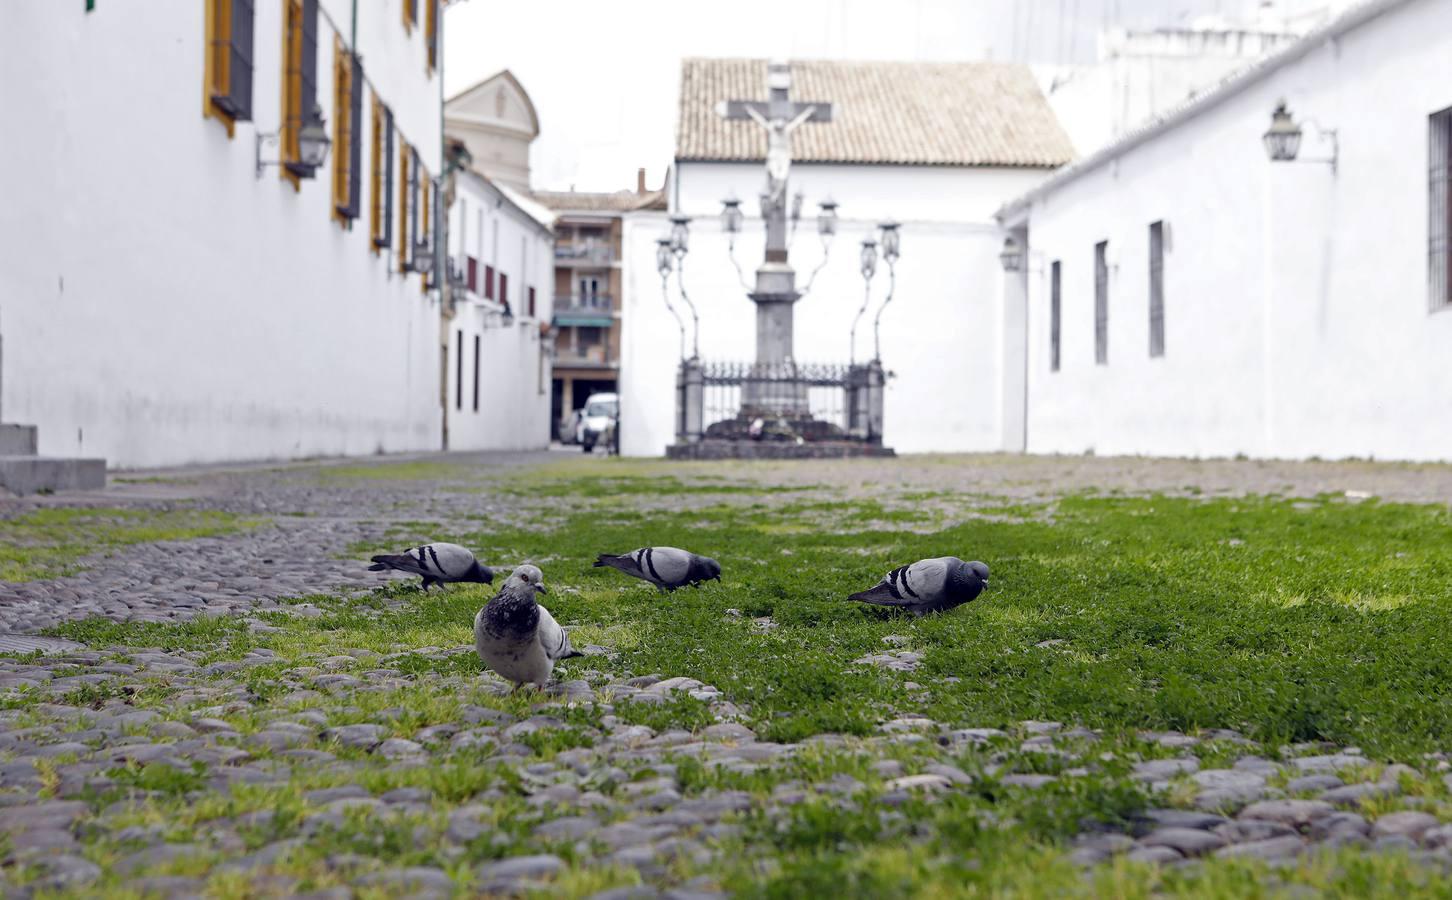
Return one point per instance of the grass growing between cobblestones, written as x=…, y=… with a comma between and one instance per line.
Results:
x=1151, y=628
x=48, y=543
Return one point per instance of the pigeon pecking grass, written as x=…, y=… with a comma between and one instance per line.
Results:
x=438, y=563
x=667, y=568
x=928, y=585
x=516, y=636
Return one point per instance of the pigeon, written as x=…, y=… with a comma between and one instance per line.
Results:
x=928, y=585
x=517, y=637
x=438, y=563
x=665, y=567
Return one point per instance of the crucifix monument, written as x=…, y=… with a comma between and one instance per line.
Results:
x=775, y=291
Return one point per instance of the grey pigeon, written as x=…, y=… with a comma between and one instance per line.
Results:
x=928, y=585
x=517, y=637
x=665, y=567
x=438, y=563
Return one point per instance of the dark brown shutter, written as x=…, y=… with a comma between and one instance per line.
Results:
x=307, y=78
x=433, y=27
x=355, y=141
x=386, y=238
x=531, y=302
x=237, y=102
x=413, y=206
x=488, y=282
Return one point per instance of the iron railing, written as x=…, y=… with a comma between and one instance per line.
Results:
x=785, y=401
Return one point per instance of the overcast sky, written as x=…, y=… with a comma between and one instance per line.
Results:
x=603, y=75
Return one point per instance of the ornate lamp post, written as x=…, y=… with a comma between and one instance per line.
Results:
x=664, y=262
x=889, y=238
x=867, y=264
x=680, y=241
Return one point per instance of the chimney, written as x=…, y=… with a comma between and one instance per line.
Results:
x=640, y=181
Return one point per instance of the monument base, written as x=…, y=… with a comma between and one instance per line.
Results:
x=709, y=448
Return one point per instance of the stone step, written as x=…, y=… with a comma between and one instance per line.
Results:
x=30, y=474
x=17, y=440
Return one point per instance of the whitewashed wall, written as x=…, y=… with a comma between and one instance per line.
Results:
x=161, y=305
x=941, y=336
x=1296, y=308
x=514, y=365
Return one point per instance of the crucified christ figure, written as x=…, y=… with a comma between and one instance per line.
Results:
x=778, y=149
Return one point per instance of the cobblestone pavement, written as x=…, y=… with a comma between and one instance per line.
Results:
x=112, y=759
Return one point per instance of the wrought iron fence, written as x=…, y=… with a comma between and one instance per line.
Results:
x=789, y=401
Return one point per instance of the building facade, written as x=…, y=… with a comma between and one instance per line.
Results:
x=1185, y=295
x=935, y=147
x=497, y=122
x=589, y=275
x=180, y=282
x=496, y=336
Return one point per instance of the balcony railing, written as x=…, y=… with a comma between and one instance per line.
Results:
x=597, y=304
x=597, y=355
x=584, y=252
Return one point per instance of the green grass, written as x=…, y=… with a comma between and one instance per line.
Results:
x=1287, y=619
x=48, y=543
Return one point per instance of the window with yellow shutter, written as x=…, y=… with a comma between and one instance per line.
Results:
x=228, y=65
x=431, y=31
x=299, y=83
x=347, y=110
x=405, y=201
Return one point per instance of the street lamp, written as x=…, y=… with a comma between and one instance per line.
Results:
x=827, y=218
x=1011, y=257
x=1283, y=139
x=312, y=146
x=731, y=215
x=423, y=259
x=869, y=258
x=664, y=259
x=888, y=235
x=680, y=234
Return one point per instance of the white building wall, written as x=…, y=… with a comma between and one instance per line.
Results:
x=513, y=406
x=159, y=303
x=1296, y=308
x=942, y=335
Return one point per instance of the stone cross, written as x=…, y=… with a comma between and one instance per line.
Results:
x=779, y=117
x=775, y=281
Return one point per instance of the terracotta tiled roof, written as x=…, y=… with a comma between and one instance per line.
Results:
x=585, y=201
x=930, y=114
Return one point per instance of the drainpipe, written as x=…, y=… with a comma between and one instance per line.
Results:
x=441, y=223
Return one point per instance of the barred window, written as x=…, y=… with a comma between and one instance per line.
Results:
x=347, y=111
x=488, y=282
x=476, y=373
x=531, y=302
x=229, y=61
x=1101, y=303
x=459, y=371
x=300, y=82
x=1157, y=288
x=1439, y=205
x=405, y=203
x=380, y=208
x=1055, y=316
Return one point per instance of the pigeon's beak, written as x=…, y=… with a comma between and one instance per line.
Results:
x=541, y=589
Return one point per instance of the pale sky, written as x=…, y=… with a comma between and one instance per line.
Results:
x=603, y=73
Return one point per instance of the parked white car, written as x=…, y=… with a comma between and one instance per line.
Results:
x=601, y=412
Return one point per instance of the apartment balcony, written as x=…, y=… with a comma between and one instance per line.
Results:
x=584, y=253
x=595, y=357
x=591, y=310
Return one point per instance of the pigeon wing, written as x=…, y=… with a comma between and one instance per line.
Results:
x=670, y=566
x=552, y=637
x=890, y=591
x=449, y=560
